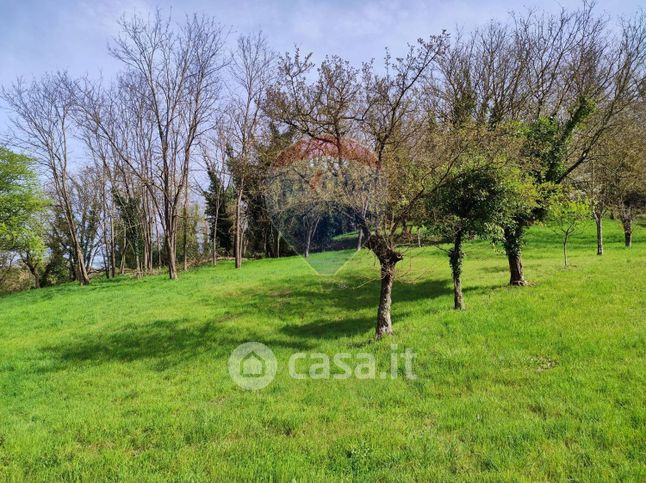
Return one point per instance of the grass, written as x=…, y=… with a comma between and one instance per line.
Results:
x=127, y=379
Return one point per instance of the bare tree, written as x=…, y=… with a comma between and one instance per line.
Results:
x=251, y=71
x=177, y=80
x=43, y=128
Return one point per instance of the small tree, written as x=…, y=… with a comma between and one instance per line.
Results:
x=474, y=202
x=565, y=216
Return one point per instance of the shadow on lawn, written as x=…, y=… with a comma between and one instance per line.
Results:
x=170, y=341
x=350, y=301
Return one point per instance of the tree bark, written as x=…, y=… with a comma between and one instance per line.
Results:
x=455, y=260
x=113, y=255
x=598, y=219
x=513, y=242
x=384, y=322
x=214, y=243
x=185, y=230
x=388, y=258
x=628, y=231
x=516, y=277
x=122, y=266
x=215, y=231
x=147, y=232
x=80, y=268
x=237, y=245
x=169, y=241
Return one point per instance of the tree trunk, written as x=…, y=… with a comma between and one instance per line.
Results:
x=169, y=241
x=513, y=242
x=170, y=238
x=106, y=264
x=185, y=230
x=80, y=268
x=215, y=233
x=388, y=258
x=565, y=250
x=516, y=276
x=34, y=272
x=384, y=322
x=159, y=250
x=628, y=230
x=122, y=266
x=598, y=219
x=455, y=260
x=238, y=228
x=148, y=233
x=214, y=244
x=83, y=276
x=310, y=233
x=113, y=254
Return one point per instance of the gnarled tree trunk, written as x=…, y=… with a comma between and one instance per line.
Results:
x=513, y=243
x=388, y=259
x=384, y=322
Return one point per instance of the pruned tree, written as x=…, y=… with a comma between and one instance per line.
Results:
x=386, y=112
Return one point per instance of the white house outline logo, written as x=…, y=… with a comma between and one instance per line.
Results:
x=252, y=365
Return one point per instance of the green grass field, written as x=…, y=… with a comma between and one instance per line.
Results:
x=127, y=379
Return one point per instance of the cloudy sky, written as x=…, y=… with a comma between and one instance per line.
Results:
x=46, y=35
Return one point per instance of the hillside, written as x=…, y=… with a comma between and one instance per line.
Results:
x=127, y=379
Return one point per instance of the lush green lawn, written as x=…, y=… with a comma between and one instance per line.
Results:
x=128, y=379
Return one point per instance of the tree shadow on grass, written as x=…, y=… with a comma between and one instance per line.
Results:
x=360, y=299
x=172, y=342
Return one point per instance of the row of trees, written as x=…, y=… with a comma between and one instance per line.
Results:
x=476, y=135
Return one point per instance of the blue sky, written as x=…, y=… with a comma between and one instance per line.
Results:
x=46, y=35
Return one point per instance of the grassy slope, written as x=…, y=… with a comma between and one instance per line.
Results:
x=128, y=379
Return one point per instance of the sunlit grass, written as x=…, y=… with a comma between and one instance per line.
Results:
x=128, y=379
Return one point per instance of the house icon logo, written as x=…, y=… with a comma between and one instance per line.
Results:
x=252, y=365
